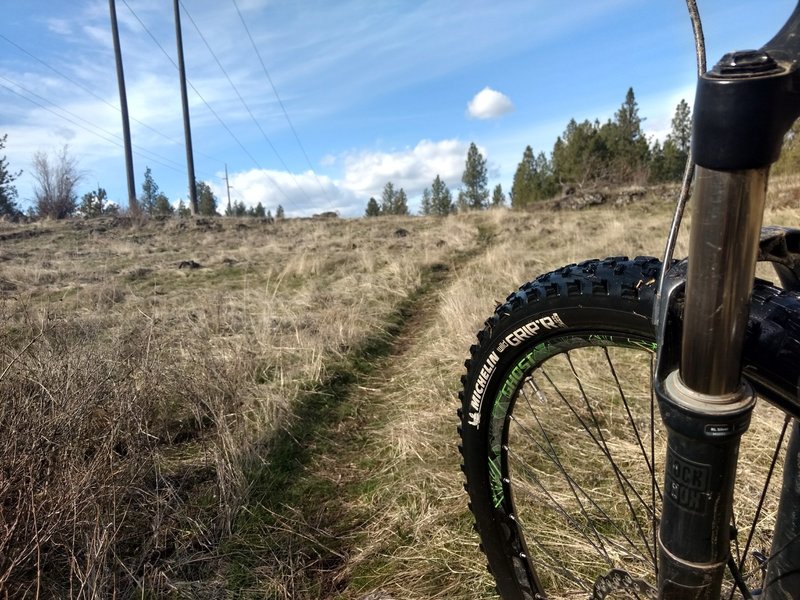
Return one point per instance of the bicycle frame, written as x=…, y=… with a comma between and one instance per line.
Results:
x=743, y=108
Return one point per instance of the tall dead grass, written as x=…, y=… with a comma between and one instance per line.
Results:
x=137, y=394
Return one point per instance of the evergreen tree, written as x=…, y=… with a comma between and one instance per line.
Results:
x=522, y=189
x=206, y=200
x=476, y=194
x=279, y=213
x=668, y=161
x=629, y=151
x=425, y=205
x=92, y=203
x=8, y=193
x=533, y=179
x=260, y=213
x=498, y=197
x=580, y=155
x=401, y=203
x=388, y=199
x=238, y=209
x=161, y=206
x=373, y=208
x=462, y=204
x=441, y=198
x=147, y=199
x=681, y=134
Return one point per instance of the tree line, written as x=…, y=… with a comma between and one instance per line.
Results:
x=56, y=179
x=586, y=154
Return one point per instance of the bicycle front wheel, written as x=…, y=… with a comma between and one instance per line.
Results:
x=563, y=446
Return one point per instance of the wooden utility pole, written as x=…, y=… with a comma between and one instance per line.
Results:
x=228, y=187
x=123, y=103
x=184, y=100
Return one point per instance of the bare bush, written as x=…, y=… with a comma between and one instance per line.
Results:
x=55, y=194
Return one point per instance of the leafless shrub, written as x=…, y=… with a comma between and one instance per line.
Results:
x=55, y=194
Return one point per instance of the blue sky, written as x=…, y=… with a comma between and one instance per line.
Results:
x=375, y=91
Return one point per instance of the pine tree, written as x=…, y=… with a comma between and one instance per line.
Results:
x=533, y=179
x=681, y=134
x=580, y=155
x=401, y=203
x=206, y=200
x=183, y=210
x=498, y=197
x=426, y=206
x=441, y=198
x=162, y=207
x=279, y=213
x=259, y=212
x=474, y=179
x=373, y=208
x=522, y=191
x=628, y=149
x=668, y=160
x=147, y=199
x=8, y=193
x=92, y=203
x=388, y=199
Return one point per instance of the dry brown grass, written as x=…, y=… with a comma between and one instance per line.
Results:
x=136, y=393
x=141, y=398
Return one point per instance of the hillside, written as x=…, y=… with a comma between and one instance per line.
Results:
x=213, y=407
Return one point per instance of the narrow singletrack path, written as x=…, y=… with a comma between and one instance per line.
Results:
x=325, y=508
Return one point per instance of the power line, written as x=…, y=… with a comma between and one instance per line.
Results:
x=199, y=95
x=80, y=118
x=106, y=135
x=247, y=108
x=92, y=93
x=280, y=102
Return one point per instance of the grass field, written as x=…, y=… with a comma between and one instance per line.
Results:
x=218, y=408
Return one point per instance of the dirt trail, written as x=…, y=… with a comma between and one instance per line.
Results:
x=318, y=507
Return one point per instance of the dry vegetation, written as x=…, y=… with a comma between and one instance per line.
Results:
x=278, y=423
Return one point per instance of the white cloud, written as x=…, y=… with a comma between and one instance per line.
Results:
x=489, y=104
x=364, y=175
x=300, y=194
x=413, y=169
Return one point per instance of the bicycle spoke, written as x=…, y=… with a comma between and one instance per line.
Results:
x=613, y=463
x=603, y=449
x=553, y=455
x=762, y=498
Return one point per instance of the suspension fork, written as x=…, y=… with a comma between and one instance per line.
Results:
x=705, y=406
x=743, y=108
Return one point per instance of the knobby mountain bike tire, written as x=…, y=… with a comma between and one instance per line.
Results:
x=562, y=442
